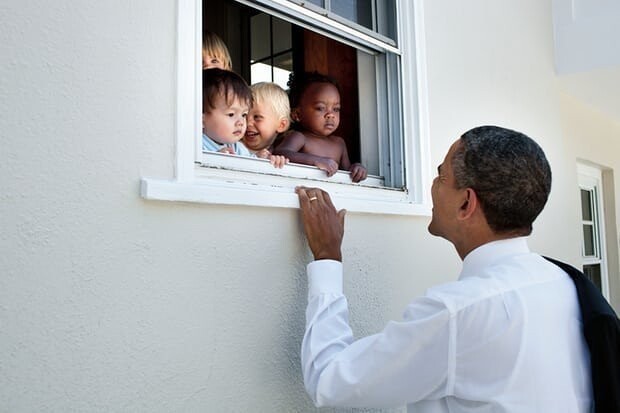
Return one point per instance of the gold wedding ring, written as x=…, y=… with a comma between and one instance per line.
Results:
x=313, y=198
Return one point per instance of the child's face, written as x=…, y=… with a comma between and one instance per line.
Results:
x=319, y=109
x=209, y=61
x=263, y=126
x=225, y=124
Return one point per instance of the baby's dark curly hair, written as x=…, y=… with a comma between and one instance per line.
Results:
x=298, y=83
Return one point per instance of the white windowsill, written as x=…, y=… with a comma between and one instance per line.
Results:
x=226, y=161
x=227, y=186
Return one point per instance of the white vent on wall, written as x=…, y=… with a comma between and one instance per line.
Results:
x=586, y=35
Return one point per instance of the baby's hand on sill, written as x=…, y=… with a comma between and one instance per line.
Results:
x=227, y=149
x=263, y=154
x=328, y=165
x=358, y=172
x=278, y=161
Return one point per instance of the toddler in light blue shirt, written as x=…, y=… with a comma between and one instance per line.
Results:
x=226, y=101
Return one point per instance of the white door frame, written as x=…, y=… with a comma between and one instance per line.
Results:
x=591, y=179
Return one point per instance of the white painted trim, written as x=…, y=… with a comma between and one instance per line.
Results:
x=591, y=178
x=227, y=183
x=229, y=162
x=324, y=21
x=416, y=102
x=189, y=84
x=226, y=190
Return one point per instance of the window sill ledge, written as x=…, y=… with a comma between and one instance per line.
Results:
x=225, y=187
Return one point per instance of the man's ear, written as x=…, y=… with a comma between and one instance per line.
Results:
x=283, y=125
x=469, y=204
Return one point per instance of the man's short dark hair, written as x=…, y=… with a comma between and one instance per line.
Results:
x=218, y=82
x=509, y=173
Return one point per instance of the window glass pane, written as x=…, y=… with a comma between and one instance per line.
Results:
x=260, y=44
x=586, y=205
x=593, y=272
x=588, y=240
x=386, y=19
x=268, y=48
x=271, y=49
x=281, y=35
x=260, y=72
x=282, y=68
x=359, y=11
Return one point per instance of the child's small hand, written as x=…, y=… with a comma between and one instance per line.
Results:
x=227, y=149
x=278, y=161
x=358, y=172
x=263, y=154
x=328, y=165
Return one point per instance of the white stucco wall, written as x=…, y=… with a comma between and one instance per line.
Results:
x=485, y=68
x=592, y=137
x=109, y=302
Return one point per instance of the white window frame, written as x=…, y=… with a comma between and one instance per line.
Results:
x=226, y=181
x=591, y=179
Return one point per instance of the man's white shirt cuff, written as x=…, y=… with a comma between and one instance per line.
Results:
x=324, y=277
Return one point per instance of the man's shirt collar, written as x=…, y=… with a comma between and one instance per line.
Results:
x=491, y=252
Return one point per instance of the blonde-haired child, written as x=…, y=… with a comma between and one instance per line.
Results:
x=214, y=52
x=268, y=117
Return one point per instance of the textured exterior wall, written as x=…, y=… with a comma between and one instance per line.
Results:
x=109, y=302
x=484, y=67
x=590, y=136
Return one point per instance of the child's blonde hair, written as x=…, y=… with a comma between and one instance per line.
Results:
x=275, y=96
x=214, y=46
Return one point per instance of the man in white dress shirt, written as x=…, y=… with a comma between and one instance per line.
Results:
x=505, y=337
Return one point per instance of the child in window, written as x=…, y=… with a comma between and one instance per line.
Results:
x=214, y=52
x=226, y=100
x=268, y=117
x=315, y=107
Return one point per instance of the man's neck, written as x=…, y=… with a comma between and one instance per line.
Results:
x=472, y=242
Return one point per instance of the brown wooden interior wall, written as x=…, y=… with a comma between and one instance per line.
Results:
x=339, y=61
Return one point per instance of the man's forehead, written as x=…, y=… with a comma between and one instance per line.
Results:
x=447, y=161
x=453, y=148
x=450, y=152
x=455, y=145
